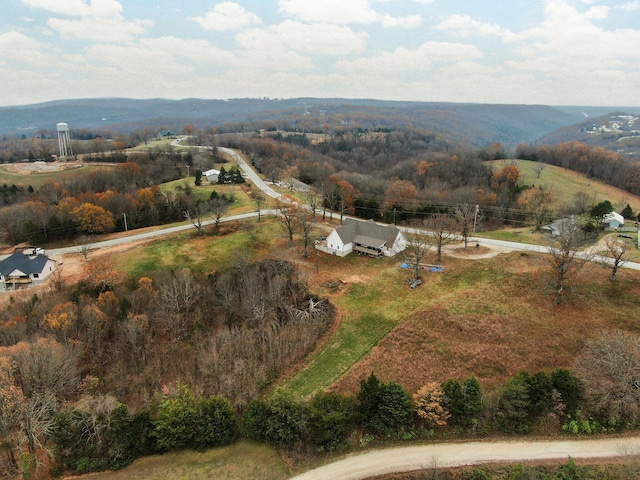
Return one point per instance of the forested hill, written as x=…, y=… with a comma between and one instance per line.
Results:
x=618, y=131
x=473, y=124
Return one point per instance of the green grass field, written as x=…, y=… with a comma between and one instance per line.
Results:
x=567, y=183
x=242, y=460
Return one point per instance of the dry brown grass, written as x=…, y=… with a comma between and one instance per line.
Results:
x=492, y=318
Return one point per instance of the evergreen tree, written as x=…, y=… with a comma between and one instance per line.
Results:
x=570, y=389
x=472, y=400
x=454, y=401
x=330, y=417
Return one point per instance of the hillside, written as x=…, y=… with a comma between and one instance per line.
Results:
x=618, y=131
x=473, y=124
x=567, y=183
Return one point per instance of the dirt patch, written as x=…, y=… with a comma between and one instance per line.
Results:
x=40, y=167
x=475, y=251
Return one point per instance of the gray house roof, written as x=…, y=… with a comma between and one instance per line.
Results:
x=367, y=233
x=20, y=261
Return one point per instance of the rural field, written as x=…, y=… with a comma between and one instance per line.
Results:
x=567, y=183
x=488, y=314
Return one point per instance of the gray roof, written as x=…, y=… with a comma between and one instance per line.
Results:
x=20, y=261
x=367, y=233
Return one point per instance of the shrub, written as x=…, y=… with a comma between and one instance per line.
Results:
x=330, y=418
x=186, y=421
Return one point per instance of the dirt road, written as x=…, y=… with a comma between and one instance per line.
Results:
x=447, y=455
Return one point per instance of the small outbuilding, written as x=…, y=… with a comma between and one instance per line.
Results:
x=20, y=270
x=211, y=175
x=613, y=221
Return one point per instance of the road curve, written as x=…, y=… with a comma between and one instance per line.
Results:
x=447, y=455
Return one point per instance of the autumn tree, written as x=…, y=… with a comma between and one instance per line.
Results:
x=344, y=194
x=428, y=402
x=92, y=219
x=537, y=203
x=401, y=193
x=12, y=404
x=609, y=368
x=99, y=274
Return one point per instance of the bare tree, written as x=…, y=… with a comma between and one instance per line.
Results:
x=304, y=219
x=466, y=217
x=84, y=246
x=616, y=249
x=312, y=199
x=442, y=228
x=609, y=368
x=288, y=214
x=539, y=168
x=217, y=208
x=200, y=209
x=565, y=255
x=259, y=200
x=420, y=242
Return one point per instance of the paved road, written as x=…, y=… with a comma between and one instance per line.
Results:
x=446, y=455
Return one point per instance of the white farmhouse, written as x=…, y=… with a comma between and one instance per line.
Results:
x=365, y=237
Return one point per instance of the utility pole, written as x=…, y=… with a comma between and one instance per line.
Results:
x=125, y=222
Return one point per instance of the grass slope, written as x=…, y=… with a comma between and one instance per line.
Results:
x=567, y=183
x=242, y=460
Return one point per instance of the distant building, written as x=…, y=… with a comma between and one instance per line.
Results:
x=22, y=270
x=211, y=175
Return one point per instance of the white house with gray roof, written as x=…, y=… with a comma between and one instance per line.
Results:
x=364, y=237
x=20, y=270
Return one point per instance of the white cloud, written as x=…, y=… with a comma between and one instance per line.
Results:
x=331, y=11
x=465, y=25
x=99, y=29
x=410, y=21
x=98, y=20
x=18, y=47
x=629, y=6
x=403, y=60
x=227, y=16
x=79, y=8
x=323, y=39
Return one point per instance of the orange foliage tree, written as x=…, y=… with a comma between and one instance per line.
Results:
x=92, y=219
x=402, y=193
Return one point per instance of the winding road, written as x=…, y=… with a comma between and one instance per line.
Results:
x=447, y=455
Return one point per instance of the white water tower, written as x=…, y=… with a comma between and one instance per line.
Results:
x=64, y=140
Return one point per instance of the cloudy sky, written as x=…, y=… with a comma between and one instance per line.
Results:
x=554, y=52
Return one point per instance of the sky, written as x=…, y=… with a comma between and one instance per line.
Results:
x=551, y=52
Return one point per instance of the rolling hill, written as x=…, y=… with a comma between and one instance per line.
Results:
x=475, y=125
